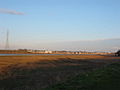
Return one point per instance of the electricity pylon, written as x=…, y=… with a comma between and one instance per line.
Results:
x=7, y=40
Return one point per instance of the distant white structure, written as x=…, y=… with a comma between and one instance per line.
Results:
x=49, y=52
x=39, y=51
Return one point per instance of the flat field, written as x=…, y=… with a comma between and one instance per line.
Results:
x=39, y=72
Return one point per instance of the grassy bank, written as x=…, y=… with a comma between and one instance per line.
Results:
x=39, y=72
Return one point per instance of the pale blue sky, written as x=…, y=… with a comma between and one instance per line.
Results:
x=47, y=21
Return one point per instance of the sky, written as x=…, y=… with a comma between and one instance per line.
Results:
x=38, y=23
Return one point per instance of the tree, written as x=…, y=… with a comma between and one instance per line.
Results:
x=117, y=53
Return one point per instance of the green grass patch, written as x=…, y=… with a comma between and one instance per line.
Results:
x=107, y=78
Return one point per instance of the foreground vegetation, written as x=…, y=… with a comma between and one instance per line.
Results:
x=107, y=78
x=39, y=72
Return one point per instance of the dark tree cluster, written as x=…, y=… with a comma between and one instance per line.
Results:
x=117, y=53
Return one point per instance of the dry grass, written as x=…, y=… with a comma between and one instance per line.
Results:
x=22, y=60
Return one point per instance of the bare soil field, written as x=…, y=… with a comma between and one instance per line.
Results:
x=39, y=72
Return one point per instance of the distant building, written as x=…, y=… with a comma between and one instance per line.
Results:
x=48, y=52
x=39, y=51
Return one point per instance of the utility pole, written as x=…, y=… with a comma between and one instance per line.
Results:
x=7, y=40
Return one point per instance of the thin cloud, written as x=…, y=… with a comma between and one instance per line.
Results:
x=13, y=12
